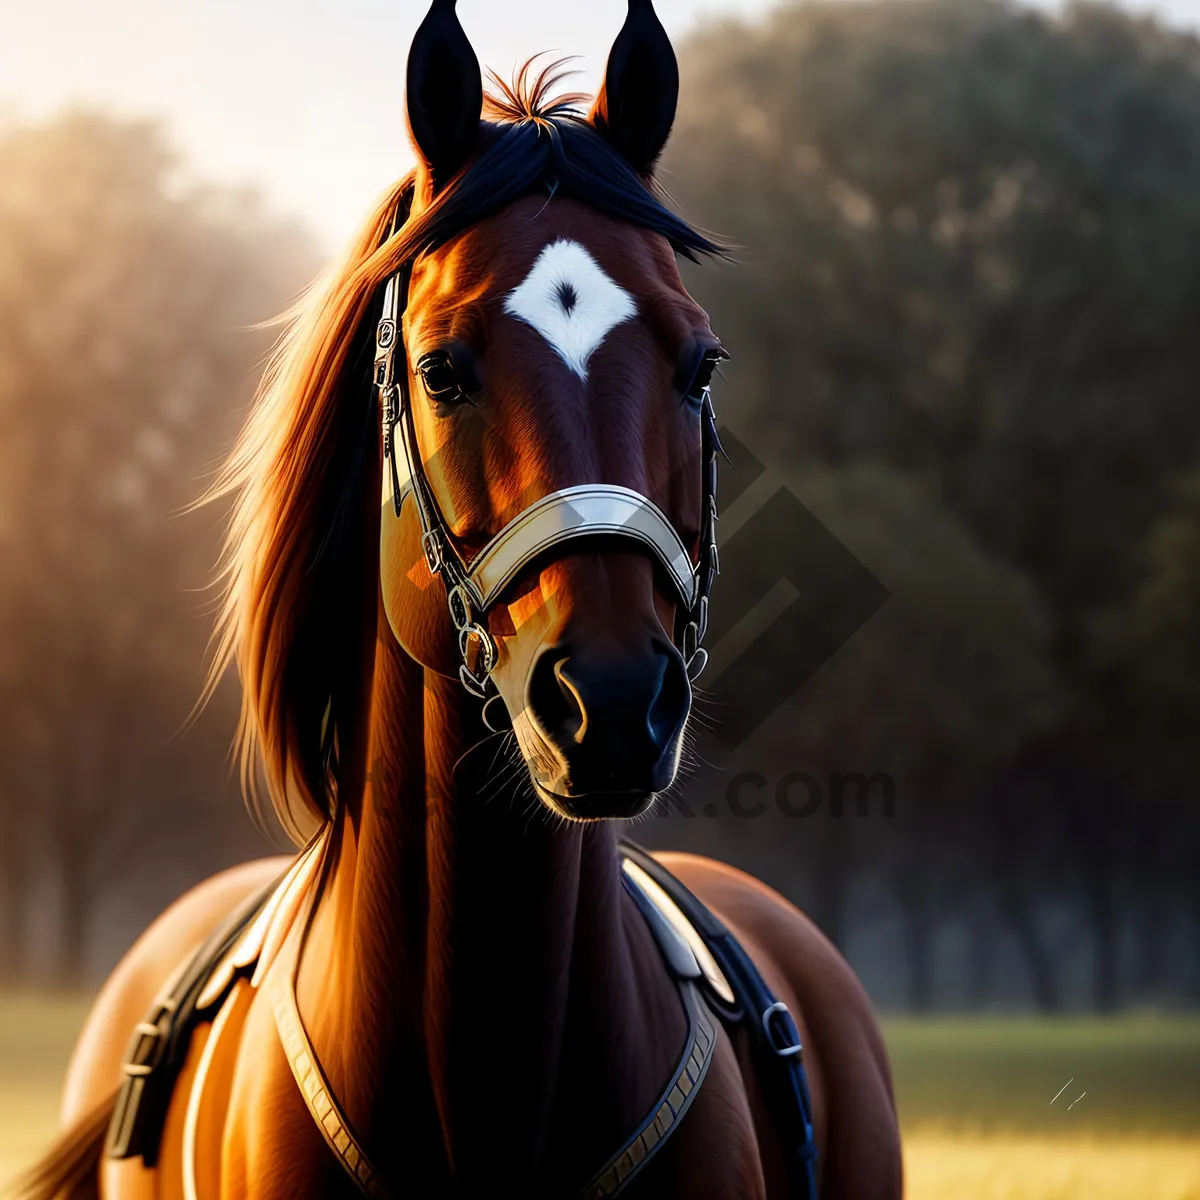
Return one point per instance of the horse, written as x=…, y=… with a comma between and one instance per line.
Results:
x=466, y=583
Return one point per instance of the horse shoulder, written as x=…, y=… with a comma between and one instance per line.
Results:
x=126, y=996
x=854, y=1108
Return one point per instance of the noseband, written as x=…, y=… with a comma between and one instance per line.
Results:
x=560, y=518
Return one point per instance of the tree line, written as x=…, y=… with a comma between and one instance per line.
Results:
x=962, y=330
x=961, y=317
x=128, y=298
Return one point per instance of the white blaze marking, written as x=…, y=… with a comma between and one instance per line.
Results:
x=571, y=302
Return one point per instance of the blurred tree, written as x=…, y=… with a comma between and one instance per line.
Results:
x=881, y=757
x=1150, y=647
x=941, y=688
x=972, y=254
x=1151, y=644
x=970, y=278
x=127, y=294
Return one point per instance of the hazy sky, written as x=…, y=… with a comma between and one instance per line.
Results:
x=302, y=97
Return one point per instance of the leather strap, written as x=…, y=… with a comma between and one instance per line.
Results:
x=676, y=1098
x=159, y=1046
x=310, y=1078
x=588, y=510
x=210, y=1117
x=672, y=914
x=652, y=1134
x=772, y=1031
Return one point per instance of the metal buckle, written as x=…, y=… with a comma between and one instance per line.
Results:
x=387, y=396
x=691, y=641
x=782, y=1051
x=460, y=607
x=431, y=545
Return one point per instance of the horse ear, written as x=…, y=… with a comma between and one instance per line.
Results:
x=445, y=92
x=636, y=105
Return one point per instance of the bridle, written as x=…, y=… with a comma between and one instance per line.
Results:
x=561, y=517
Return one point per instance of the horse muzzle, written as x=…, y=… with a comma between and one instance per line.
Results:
x=611, y=721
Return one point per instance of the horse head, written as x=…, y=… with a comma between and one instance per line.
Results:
x=545, y=431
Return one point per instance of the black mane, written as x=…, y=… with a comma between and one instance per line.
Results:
x=558, y=153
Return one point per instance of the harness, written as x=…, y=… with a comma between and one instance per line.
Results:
x=566, y=515
x=740, y=997
x=263, y=940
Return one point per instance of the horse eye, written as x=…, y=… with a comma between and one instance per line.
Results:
x=441, y=382
x=702, y=379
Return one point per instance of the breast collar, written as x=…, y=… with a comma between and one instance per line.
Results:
x=260, y=946
x=650, y=1135
x=557, y=519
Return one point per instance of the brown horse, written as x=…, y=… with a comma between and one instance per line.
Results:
x=453, y=993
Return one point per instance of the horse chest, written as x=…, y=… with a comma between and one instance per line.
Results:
x=254, y=1112
x=273, y=1150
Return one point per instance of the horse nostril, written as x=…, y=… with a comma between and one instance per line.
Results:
x=555, y=705
x=670, y=705
x=613, y=716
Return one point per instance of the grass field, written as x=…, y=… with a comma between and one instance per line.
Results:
x=975, y=1102
x=36, y=1037
x=1141, y=1075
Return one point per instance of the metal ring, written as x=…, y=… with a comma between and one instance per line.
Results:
x=768, y=1013
x=495, y=714
x=487, y=647
x=476, y=687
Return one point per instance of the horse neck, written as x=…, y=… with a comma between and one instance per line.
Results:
x=478, y=956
